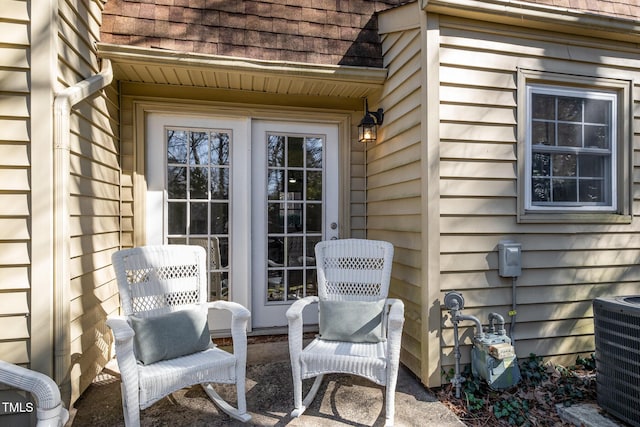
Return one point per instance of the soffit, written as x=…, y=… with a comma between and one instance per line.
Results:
x=163, y=67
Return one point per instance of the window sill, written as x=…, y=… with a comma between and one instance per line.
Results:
x=573, y=218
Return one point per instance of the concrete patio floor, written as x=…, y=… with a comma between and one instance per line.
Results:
x=343, y=400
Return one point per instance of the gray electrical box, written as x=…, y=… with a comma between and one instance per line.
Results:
x=509, y=259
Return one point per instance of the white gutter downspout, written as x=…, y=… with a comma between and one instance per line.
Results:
x=62, y=105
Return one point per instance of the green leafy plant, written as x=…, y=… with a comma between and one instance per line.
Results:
x=533, y=370
x=587, y=363
x=532, y=402
x=514, y=411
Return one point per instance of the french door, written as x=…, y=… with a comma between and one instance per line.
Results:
x=257, y=195
x=295, y=205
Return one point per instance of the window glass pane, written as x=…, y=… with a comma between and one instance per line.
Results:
x=314, y=185
x=541, y=190
x=195, y=219
x=275, y=285
x=224, y=251
x=314, y=152
x=199, y=182
x=295, y=149
x=569, y=109
x=295, y=251
x=541, y=164
x=596, y=111
x=275, y=215
x=543, y=107
x=219, y=148
x=199, y=218
x=569, y=135
x=312, y=282
x=596, y=137
x=591, y=191
x=219, y=183
x=574, y=170
x=176, y=146
x=275, y=184
x=294, y=209
x=177, y=182
x=199, y=149
x=314, y=218
x=294, y=217
x=275, y=150
x=295, y=287
x=592, y=166
x=564, y=164
x=219, y=218
x=177, y=213
x=295, y=184
x=276, y=251
x=543, y=133
x=565, y=190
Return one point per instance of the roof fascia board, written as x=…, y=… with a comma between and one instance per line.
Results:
x=537, y=15
x=336, y=73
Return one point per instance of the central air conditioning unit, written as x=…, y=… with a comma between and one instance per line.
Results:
x=617, y=337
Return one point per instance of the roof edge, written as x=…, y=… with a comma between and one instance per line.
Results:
x=338, y=73
x=565, y=19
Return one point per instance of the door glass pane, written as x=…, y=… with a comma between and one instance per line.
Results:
x=294, y=212
x=177, y=146
x=198, y=197
x=199, y=182
x=199, y=148
x=177, y=182
x=275, y=151
x=275, y=184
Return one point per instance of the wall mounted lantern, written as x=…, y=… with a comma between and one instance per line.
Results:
x=368, y=127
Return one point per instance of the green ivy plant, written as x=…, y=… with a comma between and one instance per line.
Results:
x=514, y=411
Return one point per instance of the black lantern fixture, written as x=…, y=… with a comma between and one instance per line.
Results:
x=368, y=127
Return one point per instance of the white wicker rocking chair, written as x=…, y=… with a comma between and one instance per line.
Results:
x=356, y=272
x=154, y=281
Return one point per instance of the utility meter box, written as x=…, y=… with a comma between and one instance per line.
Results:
x=509, y=259
x=493, y=359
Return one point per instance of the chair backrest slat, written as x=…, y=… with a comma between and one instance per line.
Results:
x=353, y=269
x=159, y=279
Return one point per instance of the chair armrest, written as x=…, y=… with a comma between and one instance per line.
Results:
x=237, y=311
x=239, y=321
x=294, y=317
x=127, y=363
x=122, y=331
x=295, y=311
x=395, y=321
x=50, y=410
x=396, y=314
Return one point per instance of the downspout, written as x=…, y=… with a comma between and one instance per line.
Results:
x=62, y=105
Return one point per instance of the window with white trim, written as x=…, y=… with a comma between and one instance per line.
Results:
x=571, y=149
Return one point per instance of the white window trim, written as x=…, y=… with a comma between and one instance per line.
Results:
x=623, y=143
x=612, y=188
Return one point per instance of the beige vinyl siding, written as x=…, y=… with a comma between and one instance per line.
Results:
x=565, y=265
x=15, y=237
x=94, y=195
x=394, y=177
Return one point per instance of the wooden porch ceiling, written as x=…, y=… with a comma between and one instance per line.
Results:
x=188, y=70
